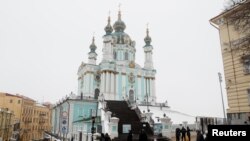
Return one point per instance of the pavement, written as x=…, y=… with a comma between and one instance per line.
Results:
x=193, y=136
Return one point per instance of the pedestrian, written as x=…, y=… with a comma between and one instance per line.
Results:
x=102, y=138
x=199, y=136
x=183, y=134
x=130, y=136
x=177, y=134
x=107, y=138
x=206, y=138
x=188, y=134
x=143, y=136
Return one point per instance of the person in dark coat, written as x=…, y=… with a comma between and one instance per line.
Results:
x=199, y=136
x=102, y=138
x=107, y=138
x=183, y=134
x=188, y=134
x=143, y=136
x=130, y=136
x=177, y=134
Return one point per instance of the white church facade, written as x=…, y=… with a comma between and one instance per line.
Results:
x=116, y=78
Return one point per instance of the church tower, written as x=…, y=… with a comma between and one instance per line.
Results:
x=107, y=43
x=148, y=62
x=92, y=54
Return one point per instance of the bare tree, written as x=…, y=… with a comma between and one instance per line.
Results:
x=240, y=20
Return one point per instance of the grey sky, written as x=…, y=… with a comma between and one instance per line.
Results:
x=42, y=43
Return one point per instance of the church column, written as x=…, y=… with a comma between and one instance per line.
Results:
x=102, y=82
x=148, y=87
x=92, y=83
x=112, y=83
x=107, y=82
x=139, y=93
x=87, y=83
x=153, y=87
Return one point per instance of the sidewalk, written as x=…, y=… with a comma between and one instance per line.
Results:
x=193, y=136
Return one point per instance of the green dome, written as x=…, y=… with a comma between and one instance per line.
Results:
x=119, y=25
x=108, y=29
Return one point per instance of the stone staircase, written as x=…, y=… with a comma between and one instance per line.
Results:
x=121, y=110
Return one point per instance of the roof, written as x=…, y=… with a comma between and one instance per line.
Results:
x=225, y=13
x=7, y=94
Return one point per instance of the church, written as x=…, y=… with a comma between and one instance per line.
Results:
x=114, y=96
x=118, y=76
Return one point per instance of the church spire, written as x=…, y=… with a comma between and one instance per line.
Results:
x=119, y=25
x=93, y=46
x=108, y=29
x=92, y=54
x=147, y=39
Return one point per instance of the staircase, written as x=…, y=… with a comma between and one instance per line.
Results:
x=121, y=110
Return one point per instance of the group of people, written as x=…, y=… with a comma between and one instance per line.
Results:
x=105, y=137
x=181, y=134
x=142, y=136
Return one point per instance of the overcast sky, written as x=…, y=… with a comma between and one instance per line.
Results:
x=42, y=44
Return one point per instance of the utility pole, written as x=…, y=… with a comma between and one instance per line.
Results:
x=220, y=80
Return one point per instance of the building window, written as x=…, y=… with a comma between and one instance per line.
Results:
x=11, y=101
x=115, y=55
x=19, y=101
x=126, y=55
x=246, y=64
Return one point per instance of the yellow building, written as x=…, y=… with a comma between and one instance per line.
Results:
x=31, y=118
x=41, y=121
x=234, y=30
x=26, y=119
x=36, y=118
x=6, y=123
x=13, y=103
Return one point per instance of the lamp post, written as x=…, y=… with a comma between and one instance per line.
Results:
x=220, y=80
x=147, y=102
x=93, y=114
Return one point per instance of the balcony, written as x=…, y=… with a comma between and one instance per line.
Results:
x=42, y=115
x=41, y=121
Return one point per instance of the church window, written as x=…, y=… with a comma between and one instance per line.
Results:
x=115, y=55
x=97, y=91
x=126, y=55
x=246, y=64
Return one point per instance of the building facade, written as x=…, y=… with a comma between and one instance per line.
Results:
x=6, y=122
x=30, y=119
x=234, y=30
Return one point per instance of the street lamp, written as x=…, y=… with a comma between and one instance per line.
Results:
x=220, y=80
x=93, y=116
x=147, y=102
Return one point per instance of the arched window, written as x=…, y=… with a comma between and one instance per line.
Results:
x=131, y=95
x=115, y=55
x=126, y=55
x=97, y=91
